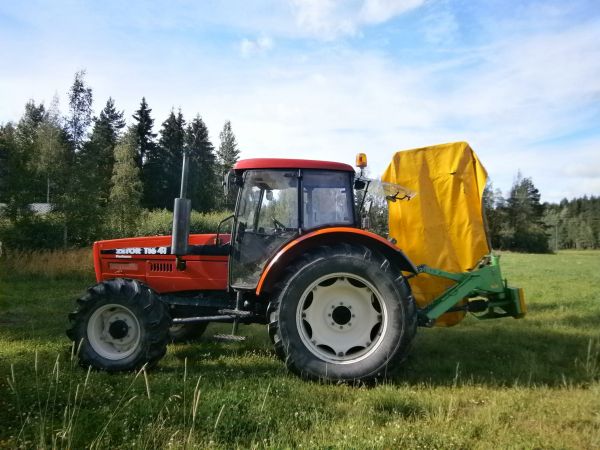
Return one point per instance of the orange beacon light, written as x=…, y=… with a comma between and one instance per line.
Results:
x=361, y=160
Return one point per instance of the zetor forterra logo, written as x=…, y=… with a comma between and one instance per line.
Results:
x=141, y=251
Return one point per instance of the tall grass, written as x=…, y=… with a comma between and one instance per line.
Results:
x=53, y=417
x=49, y=264
x=53, y=264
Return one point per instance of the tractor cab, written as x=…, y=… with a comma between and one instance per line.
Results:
x=279, y=200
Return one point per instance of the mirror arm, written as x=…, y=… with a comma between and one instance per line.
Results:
x=362, y=202
x=217, y=238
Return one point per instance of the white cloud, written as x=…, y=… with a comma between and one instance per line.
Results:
x=251, y=47
x=330, y=19
x=379, y=11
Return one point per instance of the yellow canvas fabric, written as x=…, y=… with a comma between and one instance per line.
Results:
x=443, y=225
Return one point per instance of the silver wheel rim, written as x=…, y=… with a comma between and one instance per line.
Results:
x=341, y=318
x=114, y=332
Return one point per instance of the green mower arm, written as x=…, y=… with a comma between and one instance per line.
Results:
x=483, y=288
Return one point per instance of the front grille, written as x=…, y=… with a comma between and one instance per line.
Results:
x=161, y=267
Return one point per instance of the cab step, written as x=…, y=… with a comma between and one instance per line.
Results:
x=236, y=312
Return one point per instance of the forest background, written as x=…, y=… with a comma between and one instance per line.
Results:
x=68, y=180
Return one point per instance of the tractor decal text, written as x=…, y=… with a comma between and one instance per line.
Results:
x=138, y=251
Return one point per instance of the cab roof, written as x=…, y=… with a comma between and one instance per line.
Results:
x=282, y=163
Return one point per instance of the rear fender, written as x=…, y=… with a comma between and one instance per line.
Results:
x=328, y=236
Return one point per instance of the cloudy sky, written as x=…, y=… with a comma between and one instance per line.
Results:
x=325, y=79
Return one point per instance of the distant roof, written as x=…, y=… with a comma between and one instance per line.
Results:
x=280, y=163
x=40, y=208
x=36, y=208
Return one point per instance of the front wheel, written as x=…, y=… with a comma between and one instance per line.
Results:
x=119, y=325
x=343, y=313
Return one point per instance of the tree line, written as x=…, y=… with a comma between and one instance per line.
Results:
x=520, y=222
x=99, y=174
x=105, y=179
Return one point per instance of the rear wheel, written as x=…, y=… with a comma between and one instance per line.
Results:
x=119, y=325
x=343, y=313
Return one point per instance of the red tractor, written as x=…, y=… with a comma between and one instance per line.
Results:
x=335, y=296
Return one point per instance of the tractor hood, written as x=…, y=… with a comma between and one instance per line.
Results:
x=141, y=257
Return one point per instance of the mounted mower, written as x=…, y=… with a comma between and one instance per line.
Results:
x=340, y=302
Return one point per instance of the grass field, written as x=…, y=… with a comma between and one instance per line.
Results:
x=531, y=383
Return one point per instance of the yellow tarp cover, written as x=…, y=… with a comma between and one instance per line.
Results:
x=443, y=225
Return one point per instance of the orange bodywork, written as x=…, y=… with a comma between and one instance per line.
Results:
x=146, y=259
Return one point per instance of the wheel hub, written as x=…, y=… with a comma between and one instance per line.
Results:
x=118, y=329
x=341, y=315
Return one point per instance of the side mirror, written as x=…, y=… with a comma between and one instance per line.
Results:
x=359, y=185
x=226, y=182
x=231, y=181
x=269, y=196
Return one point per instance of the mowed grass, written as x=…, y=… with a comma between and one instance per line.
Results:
x=531, y=383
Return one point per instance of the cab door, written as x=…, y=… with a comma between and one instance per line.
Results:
x=266, y=218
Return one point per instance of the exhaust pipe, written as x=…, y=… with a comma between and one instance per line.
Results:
x=182, y=209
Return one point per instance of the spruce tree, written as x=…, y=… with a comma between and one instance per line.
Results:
x=143, y=129
x=126, y=187
x=202, y=177
x=149, y=158
x=26, y=186
x=524, y=216
x=97, y=155
x=227, y=155
x=171, y=142
x=9, y=168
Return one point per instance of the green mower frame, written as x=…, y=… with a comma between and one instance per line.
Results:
x=483, y=288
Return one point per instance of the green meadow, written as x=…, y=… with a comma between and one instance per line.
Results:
x=530, y=383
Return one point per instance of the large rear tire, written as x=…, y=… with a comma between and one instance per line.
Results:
x=343, y=313
x=119, y=325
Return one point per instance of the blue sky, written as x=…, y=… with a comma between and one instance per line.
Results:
x=325, y=79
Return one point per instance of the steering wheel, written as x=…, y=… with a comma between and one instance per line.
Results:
x=278, y=225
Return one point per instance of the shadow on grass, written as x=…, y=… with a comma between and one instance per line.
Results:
x=497, y=356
